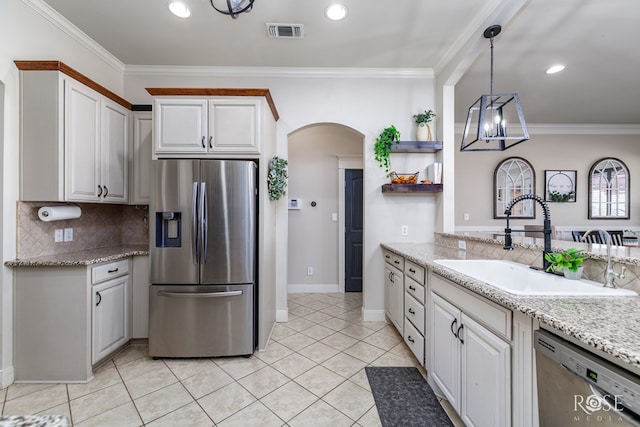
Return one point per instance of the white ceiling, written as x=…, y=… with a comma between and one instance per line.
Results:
x=597, y=40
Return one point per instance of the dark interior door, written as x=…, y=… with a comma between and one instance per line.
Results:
x=353, y=230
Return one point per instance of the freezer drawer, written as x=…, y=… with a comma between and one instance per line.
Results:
x=201, y=321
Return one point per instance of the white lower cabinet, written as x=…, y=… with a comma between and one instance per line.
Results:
x=110, y=316
x=469, y=363
x=110, y=308
x=394, y=292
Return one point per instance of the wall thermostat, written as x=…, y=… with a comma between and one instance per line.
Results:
x=295, y=203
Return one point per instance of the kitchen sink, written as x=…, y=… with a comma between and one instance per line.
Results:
x=520, y=279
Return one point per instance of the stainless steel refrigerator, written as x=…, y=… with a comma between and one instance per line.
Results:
x=203, y=217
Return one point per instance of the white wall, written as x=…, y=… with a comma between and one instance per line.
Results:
x=366, y=103
x=474, y=177
x=313, y=176
x=27, y=34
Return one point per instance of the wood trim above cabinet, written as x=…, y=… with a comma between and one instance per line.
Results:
x=188, y=91
x=64, y=68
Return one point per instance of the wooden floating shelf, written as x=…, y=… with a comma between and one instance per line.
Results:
x=416, y=147
x=412, y=188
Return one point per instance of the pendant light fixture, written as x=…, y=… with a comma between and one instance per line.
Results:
x=232, y=7
x=492, y=115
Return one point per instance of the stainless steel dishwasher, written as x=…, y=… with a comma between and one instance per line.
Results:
x=578, y=388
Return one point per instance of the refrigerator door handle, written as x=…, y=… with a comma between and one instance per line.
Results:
x=194, y=223
x=204, y=218
x=200, y=294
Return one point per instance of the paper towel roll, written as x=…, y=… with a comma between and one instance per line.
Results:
x=57, y=213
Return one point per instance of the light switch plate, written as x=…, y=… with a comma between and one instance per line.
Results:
x=58, y=235
x=68, y=234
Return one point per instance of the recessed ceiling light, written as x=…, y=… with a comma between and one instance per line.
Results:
x=555, y=69
x=180, y=9
x=336, y=12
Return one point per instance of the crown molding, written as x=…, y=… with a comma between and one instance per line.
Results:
x=62, y=23
x=574, y=129
x=302, y=72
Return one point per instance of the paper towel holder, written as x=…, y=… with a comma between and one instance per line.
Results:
x=59, y=213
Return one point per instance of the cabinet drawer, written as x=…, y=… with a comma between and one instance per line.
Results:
x=108, y=271
x=414, y=271
x=414, y=311
x=414, y=289
x=414, y=340
x=396, y=260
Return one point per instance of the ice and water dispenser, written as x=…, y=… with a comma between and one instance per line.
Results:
x=168, y=229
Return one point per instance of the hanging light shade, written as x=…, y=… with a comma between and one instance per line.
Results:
x=232, y=7
x=495, y=121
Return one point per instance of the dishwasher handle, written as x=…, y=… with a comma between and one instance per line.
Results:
x=619, y=409
x=200, y=294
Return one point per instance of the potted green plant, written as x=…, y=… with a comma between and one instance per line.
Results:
x=423, y=132
x=382, y=147
x=569, y=262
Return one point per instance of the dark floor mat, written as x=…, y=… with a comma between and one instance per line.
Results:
x=404, y=398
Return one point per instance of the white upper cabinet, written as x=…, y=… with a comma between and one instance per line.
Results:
x=207, y=126
x=74, y=140
x=96, y=135
x=141, y=148
x=233, y=126
x=180, y=126
x=212, y=122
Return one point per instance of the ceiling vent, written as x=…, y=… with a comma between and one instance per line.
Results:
x=285, y=31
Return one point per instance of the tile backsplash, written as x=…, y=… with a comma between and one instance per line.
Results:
x=99, y=225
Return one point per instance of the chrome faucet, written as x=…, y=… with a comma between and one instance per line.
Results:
x=546, y=226
x=609, y=274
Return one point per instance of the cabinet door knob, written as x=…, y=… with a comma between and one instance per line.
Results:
x=459, y=334
x=453, y=326
x=412, y=288
x=411, y=270
x=106, y=191
x=99, y=298
x=99, y=190
x=203, y=146
x=115, y=270
x=210, y=142
x=410, y=339
x=411, y=311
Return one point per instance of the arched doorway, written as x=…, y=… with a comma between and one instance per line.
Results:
x=320, y=156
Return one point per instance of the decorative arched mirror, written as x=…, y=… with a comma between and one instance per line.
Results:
x=609, y=189
x=513, y=177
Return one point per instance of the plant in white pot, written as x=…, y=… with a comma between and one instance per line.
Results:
x=423, y=132
x=568, y=262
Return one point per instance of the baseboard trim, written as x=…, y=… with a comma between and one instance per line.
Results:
x=293, y=288
x=7, y=377
x=373, y=315
x=282, y=316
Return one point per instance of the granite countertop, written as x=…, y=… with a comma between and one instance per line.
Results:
x=87, y=257
x=607, y=324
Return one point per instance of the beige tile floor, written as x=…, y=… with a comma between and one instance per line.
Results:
x=312, y=374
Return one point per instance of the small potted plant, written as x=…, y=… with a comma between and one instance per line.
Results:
x=382, y=147
x=423, y=132
x=568, y=262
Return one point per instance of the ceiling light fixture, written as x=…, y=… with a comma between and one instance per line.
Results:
x=232, y=7
x=180, y=9
x=555, y=69
x=336, y=11
x=489, y=115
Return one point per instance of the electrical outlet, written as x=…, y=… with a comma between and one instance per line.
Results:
x=462, y=244
x=58, y=235
x=404, y=230
x=309, y=271
x=68, y=234
x=465, y=216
